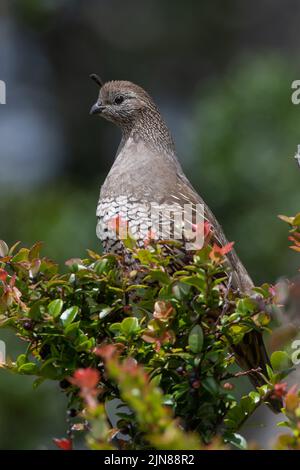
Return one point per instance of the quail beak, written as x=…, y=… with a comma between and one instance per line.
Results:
x=97, y=109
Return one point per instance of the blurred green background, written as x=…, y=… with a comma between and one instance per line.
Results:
x=221, y=73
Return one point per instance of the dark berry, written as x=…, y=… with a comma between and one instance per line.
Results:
x=192, y=377
x=196, y=384
x=72, y=413
x=28, y=325
x=45, y=351
x=125, y=430
x=64, y=384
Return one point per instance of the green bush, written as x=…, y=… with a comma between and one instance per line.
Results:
x=159, y=342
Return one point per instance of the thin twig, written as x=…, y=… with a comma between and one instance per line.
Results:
x=242, y=373
x=226, y=302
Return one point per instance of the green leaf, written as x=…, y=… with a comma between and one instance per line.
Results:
x=72, y=328
x=74, y=264
x=34, y=252
x=101, y=266
x=136, y=286
x=296, y=220
x=92, y=254
x=263, y=390
x=195, y=281
x=22, y=255
x=145, y=256
x=129, y=242
x=236, y=440
x=3, y=249
x=69, y=315
x=129, y=326
x=238, y=330
x=234, y=417
x=245, y=306
x=55, y=307
x=86, y=344
x=28, y=368
x=270, y=371
x=156, y=380
x=195, y=340
x=37, y=310
x=168, y=400
x=210, y=385
x=234, y=317
x=21, y=359
x=283, y=424
x=104, y=312
x=289, y=220
x=280, y=360
x=158, y=275
x=115, y=328
x=255, y=397
x=181, y=290
x=248, y=404
x=263, y=290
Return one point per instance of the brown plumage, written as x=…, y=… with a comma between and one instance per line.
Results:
x=146, y=170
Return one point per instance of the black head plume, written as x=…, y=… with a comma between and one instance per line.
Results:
x=97, y=79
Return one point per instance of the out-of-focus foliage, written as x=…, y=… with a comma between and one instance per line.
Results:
x=157, y=343
x=294, y=236
x=290, y=441
x=65, y=219
x=42, y=411
x=245, y=135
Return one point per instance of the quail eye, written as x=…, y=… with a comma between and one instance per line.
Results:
x=119, y=99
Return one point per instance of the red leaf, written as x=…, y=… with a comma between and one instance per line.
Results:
x=85, y=378
x=13, y=280
x=162, y=310
x=106, y=351
x=272, y=290
x=149, y=337
x=130, y=365
x=203, y=228
x=218, y=252
x=64, y=443
x=227, y=248
x=207, y=229
x=3, y=275
x=151, y=235
x=293, y=239
x=280, y=390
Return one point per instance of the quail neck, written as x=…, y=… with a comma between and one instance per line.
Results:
x=149, y=127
